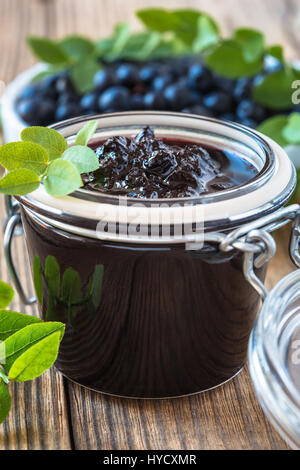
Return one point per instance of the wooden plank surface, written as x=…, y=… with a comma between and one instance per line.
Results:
x=52, y=413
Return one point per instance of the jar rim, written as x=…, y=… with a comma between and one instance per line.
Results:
x=220, y=211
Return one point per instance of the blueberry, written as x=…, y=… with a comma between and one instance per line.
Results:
x=89, y=101
x=154, y=100
x=48, y=86
x=67, y=111
x=176, y=96
x=242, y=89
x=271, y=64
x=137, y=101
x=127, y=74
x=247, y=122
x=67, y=98
x=198, y=109
x=148, y=72
x=63, y=85
x=228, y=117
x=30, y=91
x=247, y=109
x=160, y=82
x=36, y=111
x=117, y=97
x=199, y=77
x=218, y=102
x=104, y=78
x=224, y=83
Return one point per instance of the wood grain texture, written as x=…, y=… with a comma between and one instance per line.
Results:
x=51, y=413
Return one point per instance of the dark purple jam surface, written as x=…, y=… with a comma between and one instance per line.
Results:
x=146, y=167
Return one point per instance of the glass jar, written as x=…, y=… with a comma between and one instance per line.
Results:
x=159, y=297
x=274, y=358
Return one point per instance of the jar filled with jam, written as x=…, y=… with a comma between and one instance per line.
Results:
x=156, y=265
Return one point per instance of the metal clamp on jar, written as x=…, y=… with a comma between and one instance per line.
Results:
x=165, y=312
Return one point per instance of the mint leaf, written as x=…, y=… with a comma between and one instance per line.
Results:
x=82, y=157
x=6, y=294
x=275, y=90
x=62, y=178
x=76, y=47
x=86, y=133
x=82, y=74
x=11, y=322
x=24, y=155
x=71, y=286
x=52, y=141
x=206, y=34
x=37, y=279
x=104, y=46
x=227, y=59
x=47, y=50
x=252, y=43
x=159, y=19
x=291, y=131
x=28, y=336
x=5, y=401
x=36, y=360
x=52, y=275
x=19, y=182
x=273, y=128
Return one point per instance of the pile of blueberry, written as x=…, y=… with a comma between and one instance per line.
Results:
x=182, y=84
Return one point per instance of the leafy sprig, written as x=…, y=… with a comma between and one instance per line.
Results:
x=43, y=156
x=171, y=33
x=28, y=347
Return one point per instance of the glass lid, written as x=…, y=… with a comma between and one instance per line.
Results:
x=274, y=358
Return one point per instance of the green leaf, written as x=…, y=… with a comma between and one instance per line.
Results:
x=276, y=51
x=86, y=133
x=52, y=275
x=36, y=360
x=291, y=131
x=47, y=50
x=206, y=35
x=82, y=74
x=48, y=72
x=51, y=140
x=19, y=182
x=62, y=178
x=3, y=376
x=140, y=46
x=121, y=36
x=104, y=46
x=273, y=127
x=275, y=90
x=191, y=24
x=227, y=59
x=77, y=47
x=37, y=279
x=5, y=401
x=82, y=157
x=159, y=19
x=252, y=43
x=11, y=322
x=6, y=294
x=27, y=337
x=24, y=155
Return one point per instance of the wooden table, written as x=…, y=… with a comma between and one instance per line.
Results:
x=53, y=413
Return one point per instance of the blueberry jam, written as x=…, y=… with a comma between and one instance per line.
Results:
x=147, y=167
